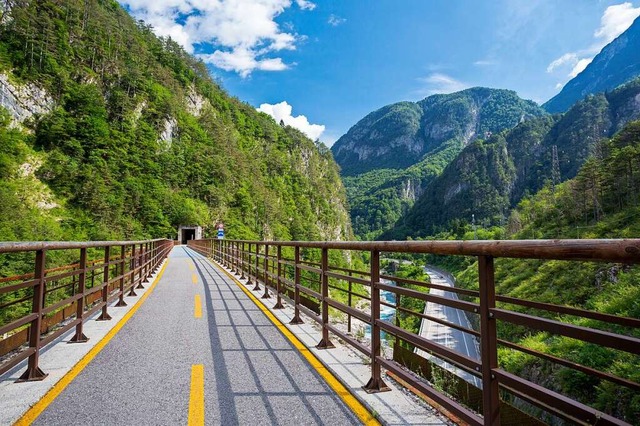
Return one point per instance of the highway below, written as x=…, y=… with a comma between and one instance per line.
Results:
x=457, y=340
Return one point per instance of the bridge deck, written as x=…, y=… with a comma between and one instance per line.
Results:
x=252, y=373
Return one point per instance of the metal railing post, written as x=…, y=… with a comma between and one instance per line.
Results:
x=488, y=342
x=265, y=280
x=79, y=336
x=349, y=301
x=140, y=266
x=375, y=384
x=34, y=372
x=325, y=343
x=104, y=316
x=278, y=304
x=232, y=256
x=123, y=253
x=249, y=264
x=242, y=261
x=132, y=271
x=257, y=265
x=296, y=288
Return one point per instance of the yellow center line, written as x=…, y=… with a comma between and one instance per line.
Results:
x=196, y=396
x=347, y=397
x=198, y=307
x=191, y=266
x=33, y=413
x=194, y=278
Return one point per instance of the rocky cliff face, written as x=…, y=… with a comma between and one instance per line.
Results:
x=23, y=101
x=489, y=178
x=617, y=63
x=390, y=156
x=400, y=135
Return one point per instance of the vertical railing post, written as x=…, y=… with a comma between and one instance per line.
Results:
x=278, y=304
x=238, y=258
x=123, y=253
x=33, y=371
x=296, y=287
x=79, y=336
x=234, y=257
x=257, y=265
x=140, y=266
x=350, y=303
x=375, y=384
x=104, y=316
x=325, y=343
x=147, y=260
x=249, y=264
x=243, y=264
x=488, y=342
x=265, y=281
x=132, y=271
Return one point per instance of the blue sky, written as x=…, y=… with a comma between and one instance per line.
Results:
x=322, y=65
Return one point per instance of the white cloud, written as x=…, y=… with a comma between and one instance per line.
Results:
x=580, y=66
x=283, y=110
x=242, y=34
x=484, y=63
x=305, y=5
x=335, y=20
x=615, y=20
x=441, y=83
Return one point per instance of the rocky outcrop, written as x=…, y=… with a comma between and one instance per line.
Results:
x=23, y=101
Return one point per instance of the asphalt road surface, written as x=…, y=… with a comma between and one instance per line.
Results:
x=462, y=342
x=198, y=350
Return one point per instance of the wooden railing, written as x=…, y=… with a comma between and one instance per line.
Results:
x=318, y=282
x=38, y=307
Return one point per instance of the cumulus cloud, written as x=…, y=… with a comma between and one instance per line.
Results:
x=283, y=110
x=615, y=20
x=335, y=20
x=441, y=83
x=242, y=35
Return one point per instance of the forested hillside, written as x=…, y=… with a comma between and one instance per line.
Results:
x=602, y=201
x=491, y=176
x=110, y=132
x=388, y=158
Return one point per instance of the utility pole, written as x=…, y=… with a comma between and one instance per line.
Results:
x=555, y=168
x=475, y=228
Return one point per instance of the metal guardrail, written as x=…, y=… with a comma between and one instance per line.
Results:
x=65, y=297
x=297, y=278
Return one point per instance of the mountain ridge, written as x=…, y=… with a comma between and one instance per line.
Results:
x=617, y=63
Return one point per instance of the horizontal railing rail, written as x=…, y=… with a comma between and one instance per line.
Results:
x=312, y=285
x=38, y=307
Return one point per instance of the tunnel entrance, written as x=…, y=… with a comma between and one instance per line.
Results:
x=186, y=233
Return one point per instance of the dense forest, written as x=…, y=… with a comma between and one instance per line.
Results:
x=490, y=177
x=601, y=201
x=389, y=157
x=135, y=138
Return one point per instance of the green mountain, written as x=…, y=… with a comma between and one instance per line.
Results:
x=110, y=132
x=389, y=157
x=489, y=177
x=617, y=63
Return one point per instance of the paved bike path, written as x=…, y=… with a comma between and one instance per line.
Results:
x=252, y=373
